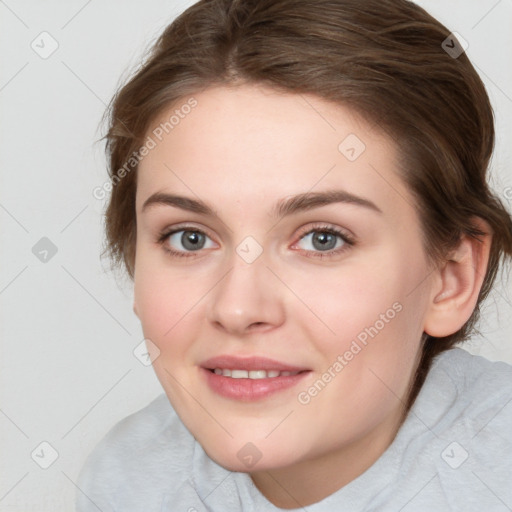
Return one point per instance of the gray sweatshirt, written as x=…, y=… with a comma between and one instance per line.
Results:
x=452, y=453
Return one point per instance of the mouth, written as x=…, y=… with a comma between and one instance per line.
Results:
x=250, y=379
x=252, y=374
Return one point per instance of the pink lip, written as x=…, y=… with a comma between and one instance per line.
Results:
x=249, y=363
x=248, y=390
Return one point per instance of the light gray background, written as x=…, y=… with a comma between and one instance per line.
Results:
x=68, y=332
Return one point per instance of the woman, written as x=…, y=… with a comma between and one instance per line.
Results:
x=299, y=194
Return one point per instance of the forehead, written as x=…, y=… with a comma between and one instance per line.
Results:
x=251, y=142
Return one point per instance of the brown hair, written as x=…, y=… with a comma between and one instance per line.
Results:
x=383, y=58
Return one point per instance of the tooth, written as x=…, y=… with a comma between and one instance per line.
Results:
x=239, y=374
x=252, y=374
x=257, y=374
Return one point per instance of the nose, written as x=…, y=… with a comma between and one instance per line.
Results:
x=247, y=299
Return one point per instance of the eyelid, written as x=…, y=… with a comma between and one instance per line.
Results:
x=184, y=226
x=344, y=233
x=348, y=238
x=164, y=235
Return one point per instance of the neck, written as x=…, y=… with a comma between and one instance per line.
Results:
x=311, y=480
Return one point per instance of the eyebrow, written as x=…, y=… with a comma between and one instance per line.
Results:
x=284, y=207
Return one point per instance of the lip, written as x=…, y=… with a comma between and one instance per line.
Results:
x=245, y=389
x=249, y=363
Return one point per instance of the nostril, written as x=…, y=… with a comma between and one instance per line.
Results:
x=256, y=325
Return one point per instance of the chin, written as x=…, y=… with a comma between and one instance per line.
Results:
x=233, y=463
x=247, y=457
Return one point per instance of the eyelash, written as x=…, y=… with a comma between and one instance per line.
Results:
x=348, y=241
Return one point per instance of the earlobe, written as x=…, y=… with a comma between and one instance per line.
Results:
x=459, y=283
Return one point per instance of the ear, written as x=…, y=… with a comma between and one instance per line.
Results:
x=458, y=283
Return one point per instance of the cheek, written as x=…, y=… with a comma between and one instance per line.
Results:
x=168, y=312
x=366, y=314
x=166, y=305
x=347, y=300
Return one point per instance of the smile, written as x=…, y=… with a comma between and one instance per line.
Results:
x=250, y=378
x=251, y=386
x=252, y=374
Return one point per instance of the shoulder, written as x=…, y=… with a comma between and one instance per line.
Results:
x=141, y=454
x=471, y=442
x=477, y=400
x=477, y=380
x=465, y=362
x=471, y=390
x=456, y=442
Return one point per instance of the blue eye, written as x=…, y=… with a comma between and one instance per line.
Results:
x=325, y=242
x=190, y=240
x=322, y=240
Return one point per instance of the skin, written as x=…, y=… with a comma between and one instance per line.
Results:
x=241, y=150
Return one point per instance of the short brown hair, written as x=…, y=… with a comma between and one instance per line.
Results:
x=383, y=58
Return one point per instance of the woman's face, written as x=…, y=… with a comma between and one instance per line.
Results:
x=295, y=247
